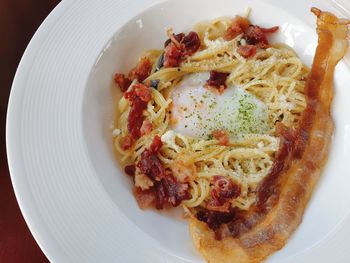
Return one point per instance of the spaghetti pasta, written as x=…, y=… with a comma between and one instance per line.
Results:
x=274, y=75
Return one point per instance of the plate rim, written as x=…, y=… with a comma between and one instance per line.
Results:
x=21, y=74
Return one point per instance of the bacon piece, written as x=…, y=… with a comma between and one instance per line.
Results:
x=172, y=56
x=285, y=192
x=146, y=127
x=130, y=169
x=238, y=26
x=142, y=70
x=144, y=198
x=126, y=142
x=217, y=80
x=189, y=43
x=179, y=46
x=160, y=196
x=122, y=81
x=142, y=91
x=247, y=51
x=223, y=190
x=222, y=137
x=175, y=191
x=177, y=39
x=156, y=144
x=166, y=191
x=169, y=190
x=135, y=118
x=139, y=96
x=165, y=187
x=192, y=43
x=151, y=166
x=256, y=35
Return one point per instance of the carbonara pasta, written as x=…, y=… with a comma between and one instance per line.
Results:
x=267, y=83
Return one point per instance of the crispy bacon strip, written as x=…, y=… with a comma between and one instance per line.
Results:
x=254, y=235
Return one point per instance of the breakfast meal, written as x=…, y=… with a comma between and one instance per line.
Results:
x=233, y=128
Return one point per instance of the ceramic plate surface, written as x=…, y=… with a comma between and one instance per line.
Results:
x=70, y=188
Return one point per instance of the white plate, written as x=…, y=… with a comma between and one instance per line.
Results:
x=76, y=201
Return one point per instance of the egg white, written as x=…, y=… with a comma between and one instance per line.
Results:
x=197, y=110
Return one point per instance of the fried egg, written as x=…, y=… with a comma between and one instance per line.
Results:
x=197, y=110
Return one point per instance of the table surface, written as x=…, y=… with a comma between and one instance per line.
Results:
x=19, y=19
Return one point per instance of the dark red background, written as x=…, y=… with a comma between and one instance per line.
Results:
x=19, y=19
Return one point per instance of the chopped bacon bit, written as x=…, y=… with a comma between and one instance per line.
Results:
x=146, y=127
x=143, y=91
x=169, y=190
x=172, y=56
x=247, y=51
x=160, y=196
x=239, y=25
x=256, y=35
x=142, y=70
x=222, y=137
x=144, y=198
x=166, y=191
x=151, y=166
x=223, y=190
x=126, y=142
x=122, y=81
x=130, y=169
x=165, y=188
x=217, y=80
x=175, y=191
x=177, y=47
x=156, y=144
x=135, y=118
x=192, y=43
x=176, y=39
x=139, y=96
